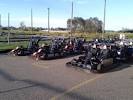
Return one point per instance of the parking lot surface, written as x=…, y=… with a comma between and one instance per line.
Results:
x=22, y=78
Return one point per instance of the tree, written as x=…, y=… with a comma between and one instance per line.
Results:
x=91, y=25
x=98, y=24
x=22, y=25
x=74, y=24
x=78, y=24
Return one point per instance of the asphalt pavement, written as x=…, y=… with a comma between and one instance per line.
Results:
x=22, y=78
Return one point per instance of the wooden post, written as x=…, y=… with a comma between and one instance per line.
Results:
x=0, y=25
x=31, y=22
x=48, y=20
x=104, y=19
x=71, y=21
x=8, y=28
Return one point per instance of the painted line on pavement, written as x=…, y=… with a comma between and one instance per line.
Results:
x=75, y=87
x=40, y=65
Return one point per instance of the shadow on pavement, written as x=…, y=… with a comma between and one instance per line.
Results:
x=33, y=83
x=5, y=51
x=6, y=76
x=61, y=57
x=121, y=66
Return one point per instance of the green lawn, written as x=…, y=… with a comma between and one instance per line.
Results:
x=6, y=46
x=88, y=36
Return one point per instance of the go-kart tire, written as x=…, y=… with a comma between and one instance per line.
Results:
x=89, y=67
x=79, y=64
x=10, y=53
x=69, y=64
x=100, y=67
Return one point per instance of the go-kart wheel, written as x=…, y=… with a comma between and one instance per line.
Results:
x=100, y=67
x=79, y=64
x=10, y=53
x=89, y=67
x=68, y=64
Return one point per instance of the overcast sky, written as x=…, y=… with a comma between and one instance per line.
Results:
x=119, y=12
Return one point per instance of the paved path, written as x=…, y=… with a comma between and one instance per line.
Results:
x=22, y=78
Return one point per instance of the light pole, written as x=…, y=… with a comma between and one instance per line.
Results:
x=8, y=28
x=31, y=21
x=104, y=19
x=48, y=19
x=0, y=25
x=71, y=20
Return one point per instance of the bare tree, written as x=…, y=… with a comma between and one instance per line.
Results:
x=91, y=25
x=22, y=25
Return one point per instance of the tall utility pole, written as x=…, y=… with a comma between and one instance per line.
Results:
x=104, y=19
x=48, y=19
x=71, y=20
x=8, y=28
x=0, y=25
x=31, y=22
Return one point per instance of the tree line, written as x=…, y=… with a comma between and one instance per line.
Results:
x=91, y=25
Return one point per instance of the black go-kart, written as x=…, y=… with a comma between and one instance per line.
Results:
x=60, y=48
x=99, y=59
x=32, y=47
x=95, y=60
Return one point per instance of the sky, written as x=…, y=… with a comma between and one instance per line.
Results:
x=119, y=13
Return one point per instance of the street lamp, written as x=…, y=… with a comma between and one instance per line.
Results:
x=71, y=19
x=104, y=15
x=0, y=25
x=48, y=19
x=31, y=22
x=8, y=28
x=104, y=19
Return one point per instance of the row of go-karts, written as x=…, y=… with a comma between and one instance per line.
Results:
x=58, y=47
x=104, y=55
x=97, y=55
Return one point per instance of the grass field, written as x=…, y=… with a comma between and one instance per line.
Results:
x=6, y=46
x=87, y=36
